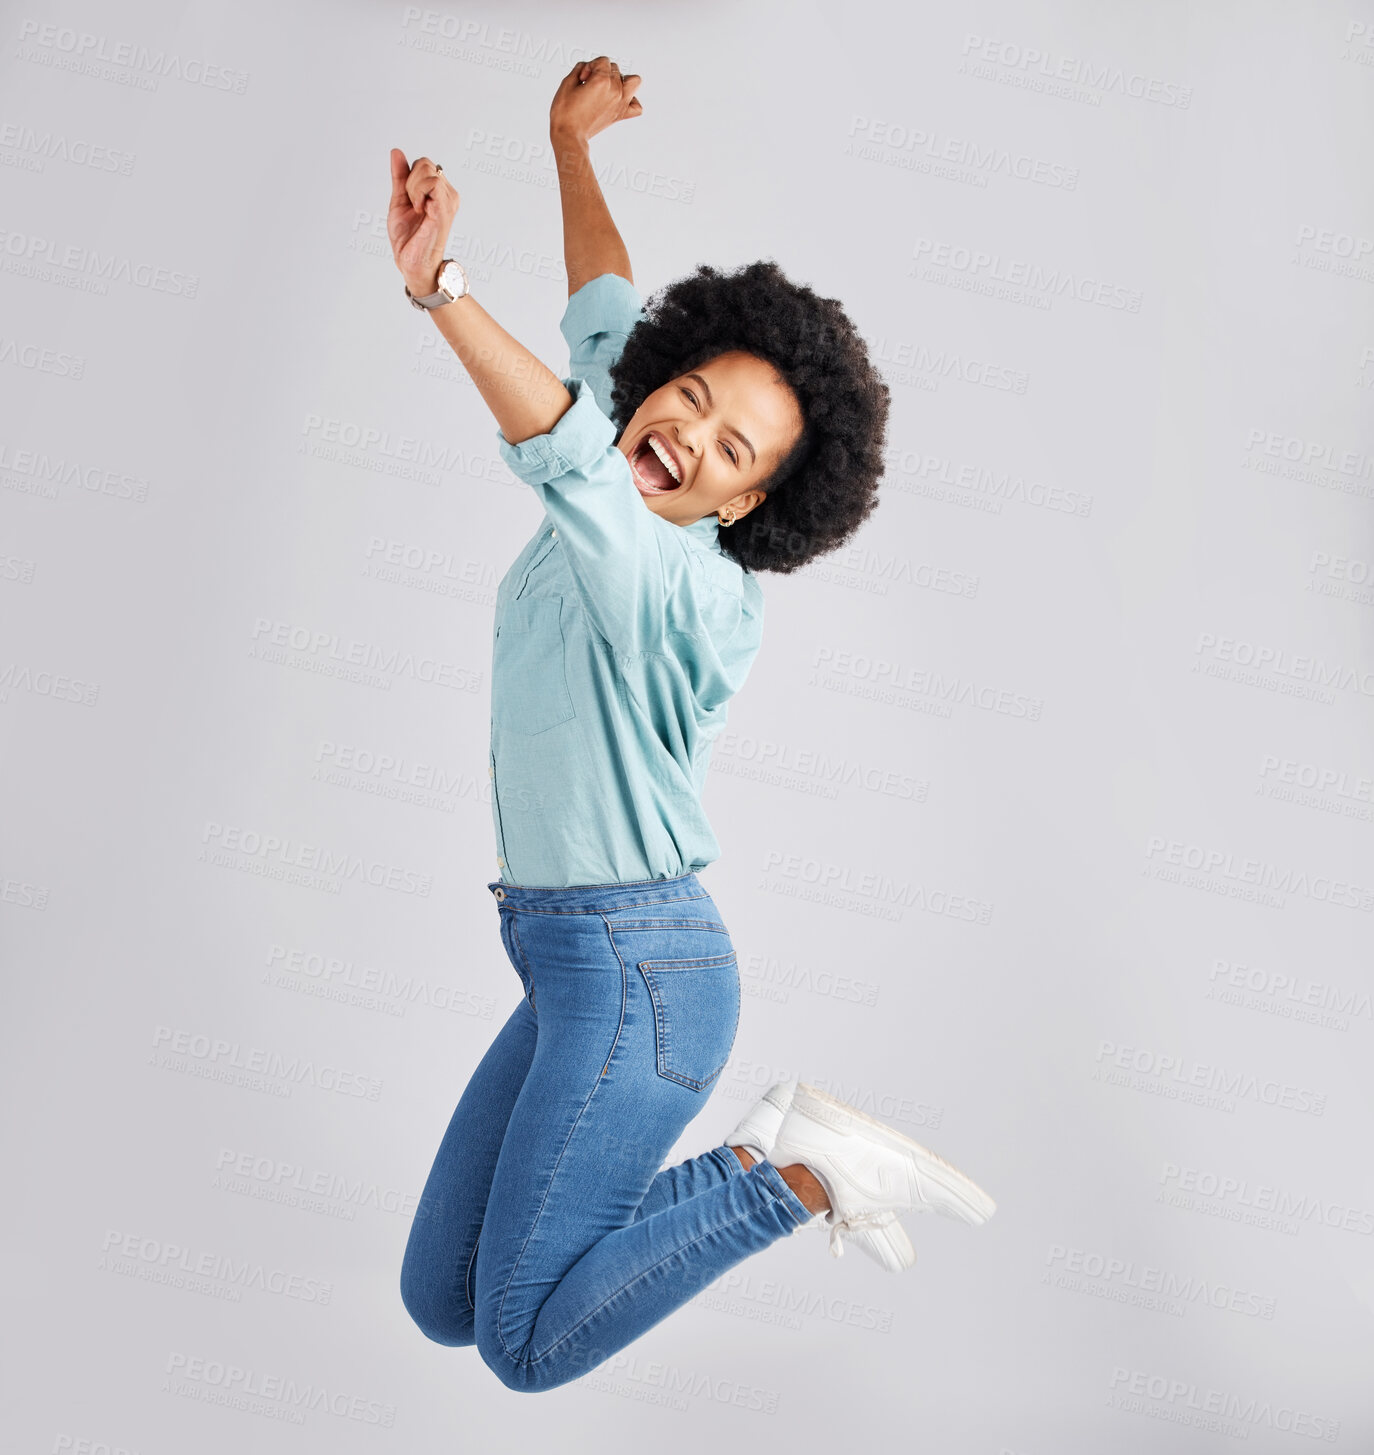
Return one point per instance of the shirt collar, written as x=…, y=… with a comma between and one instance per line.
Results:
x=705, y=532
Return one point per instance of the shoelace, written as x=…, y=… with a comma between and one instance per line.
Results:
x=840, y=1230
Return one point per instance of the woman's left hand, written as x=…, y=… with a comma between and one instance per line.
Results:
x=423, y=205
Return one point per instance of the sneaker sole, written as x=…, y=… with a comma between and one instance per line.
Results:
x=959, y=1186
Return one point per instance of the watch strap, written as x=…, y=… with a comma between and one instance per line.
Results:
x=441, y=296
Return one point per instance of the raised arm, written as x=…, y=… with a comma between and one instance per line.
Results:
x=526, y=397
x=590, y=98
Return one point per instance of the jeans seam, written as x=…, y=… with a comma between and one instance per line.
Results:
x=515, y=937
x=505, y=1292
x=624, y=993
x=543, y=1202
x=664, y=924
x=467, y=1275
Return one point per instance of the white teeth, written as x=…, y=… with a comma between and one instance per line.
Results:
x=666, y=458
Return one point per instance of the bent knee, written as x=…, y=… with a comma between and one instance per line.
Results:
x=526, y=1373
x=512, y=1365
x=437, y=1319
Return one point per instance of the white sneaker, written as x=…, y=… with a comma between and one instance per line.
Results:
x=868, y=1170
x=884, y=1239
x=760, y=1125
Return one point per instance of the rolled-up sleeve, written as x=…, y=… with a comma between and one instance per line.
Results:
x=580, y=437
x=622, y=556
x=598, y=319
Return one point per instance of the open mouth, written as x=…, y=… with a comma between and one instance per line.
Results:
x=651, y=467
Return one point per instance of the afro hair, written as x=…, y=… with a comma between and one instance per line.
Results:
x=820, y=494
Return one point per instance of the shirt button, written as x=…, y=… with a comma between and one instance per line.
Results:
x=555, y=532
x=491, y=772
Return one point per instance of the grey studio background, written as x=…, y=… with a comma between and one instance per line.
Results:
x=1047, y=813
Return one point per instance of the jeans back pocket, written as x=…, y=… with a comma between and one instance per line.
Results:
x=696, y=1014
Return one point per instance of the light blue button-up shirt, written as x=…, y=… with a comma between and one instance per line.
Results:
x=619, y=640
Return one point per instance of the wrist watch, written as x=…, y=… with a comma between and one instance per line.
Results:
x=452, y=284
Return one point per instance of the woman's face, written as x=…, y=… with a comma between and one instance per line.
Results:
x=726, y=426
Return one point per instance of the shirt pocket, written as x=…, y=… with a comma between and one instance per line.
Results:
x=529, y=685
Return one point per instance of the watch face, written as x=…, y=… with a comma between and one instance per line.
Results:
x=451, y=279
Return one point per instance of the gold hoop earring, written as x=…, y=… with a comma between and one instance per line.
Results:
x=723, y=520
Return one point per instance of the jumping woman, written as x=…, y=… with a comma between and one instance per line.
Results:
x=733, y=426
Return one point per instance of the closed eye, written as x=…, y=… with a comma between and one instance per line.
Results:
x=729, y=449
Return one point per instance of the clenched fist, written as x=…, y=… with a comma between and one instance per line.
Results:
x=592, y=96
x=423, y=205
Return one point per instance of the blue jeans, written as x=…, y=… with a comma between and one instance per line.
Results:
x=546, y=1233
